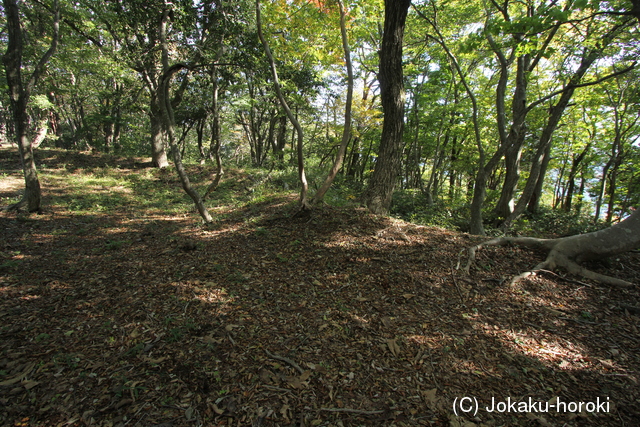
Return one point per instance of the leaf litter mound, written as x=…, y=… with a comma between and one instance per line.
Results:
x=339, y=318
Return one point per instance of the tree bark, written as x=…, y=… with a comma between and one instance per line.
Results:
x=158, y=141
x=567, y=202
x=379, y=192
x=346, y=132
x=555, y=114
x=169, y=127
x=214, y=150
x=514, y=140
x=19, y=94
x=304, y=204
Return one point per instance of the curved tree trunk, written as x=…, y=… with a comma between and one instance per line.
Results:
x=20, y=92
x=169, y=127
x=346, y=132
x=304, y=204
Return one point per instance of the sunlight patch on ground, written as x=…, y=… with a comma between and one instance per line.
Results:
x=11, y=185
x=559, y=352
x=209, y=292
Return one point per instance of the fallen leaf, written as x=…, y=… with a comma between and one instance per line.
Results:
x=430, y=397
x=393, y=347
x=188, y=414
x=30, y=384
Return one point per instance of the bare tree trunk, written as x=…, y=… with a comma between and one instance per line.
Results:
x=41, y=132
x=534, y=200
x=214, y=150
x=567, y=203
x=158, y=139
x=346, y=132
x=515, y=139
x=20, y=92
x=555, y=114
x=294, y=121
x=169, y=127
x=378, y=194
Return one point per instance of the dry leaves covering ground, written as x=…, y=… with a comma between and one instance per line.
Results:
x=136, y=317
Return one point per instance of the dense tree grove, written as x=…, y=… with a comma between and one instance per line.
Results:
x=473, y=114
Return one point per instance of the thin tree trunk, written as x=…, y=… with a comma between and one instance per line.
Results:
x=555, y=114
x=214, y=150
x=169, y=127
x=294, y=121
x=567, y=204
x=514, y=140
x=346, y=132
x=158, y=135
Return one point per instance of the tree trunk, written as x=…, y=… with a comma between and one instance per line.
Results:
x=169, y=127
x=515, y=139
x=19, y=94
x=346, y=132
x=555, y=114
x=294, y=121
x=379, y=193
x=567, y=203
x=158, y=140
x=41, y=131
x=534, y=200
x=214, y=149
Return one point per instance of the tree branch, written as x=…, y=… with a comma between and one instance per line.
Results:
x=575, y=86
x=39, y=68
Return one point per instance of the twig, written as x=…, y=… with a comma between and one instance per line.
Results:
x=284, y=359
x=273, y=388
x=542, y=270
x=351, y=411
x=455, y=282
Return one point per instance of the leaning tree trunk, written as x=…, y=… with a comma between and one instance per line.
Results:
x=346, y=132
x=569, y=252
x=169, y=127
x=379, y=193
x=19, y=94
x=304, y=204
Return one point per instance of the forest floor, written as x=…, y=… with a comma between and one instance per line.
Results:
x=119, y=308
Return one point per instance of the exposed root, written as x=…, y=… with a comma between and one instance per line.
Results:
x=21, y=206
x=529, y=242
x=556, y=258
x=303, y=210
x=543, y=266
x=579, y=270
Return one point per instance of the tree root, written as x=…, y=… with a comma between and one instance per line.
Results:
x=20, y=206
x=555, y=258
